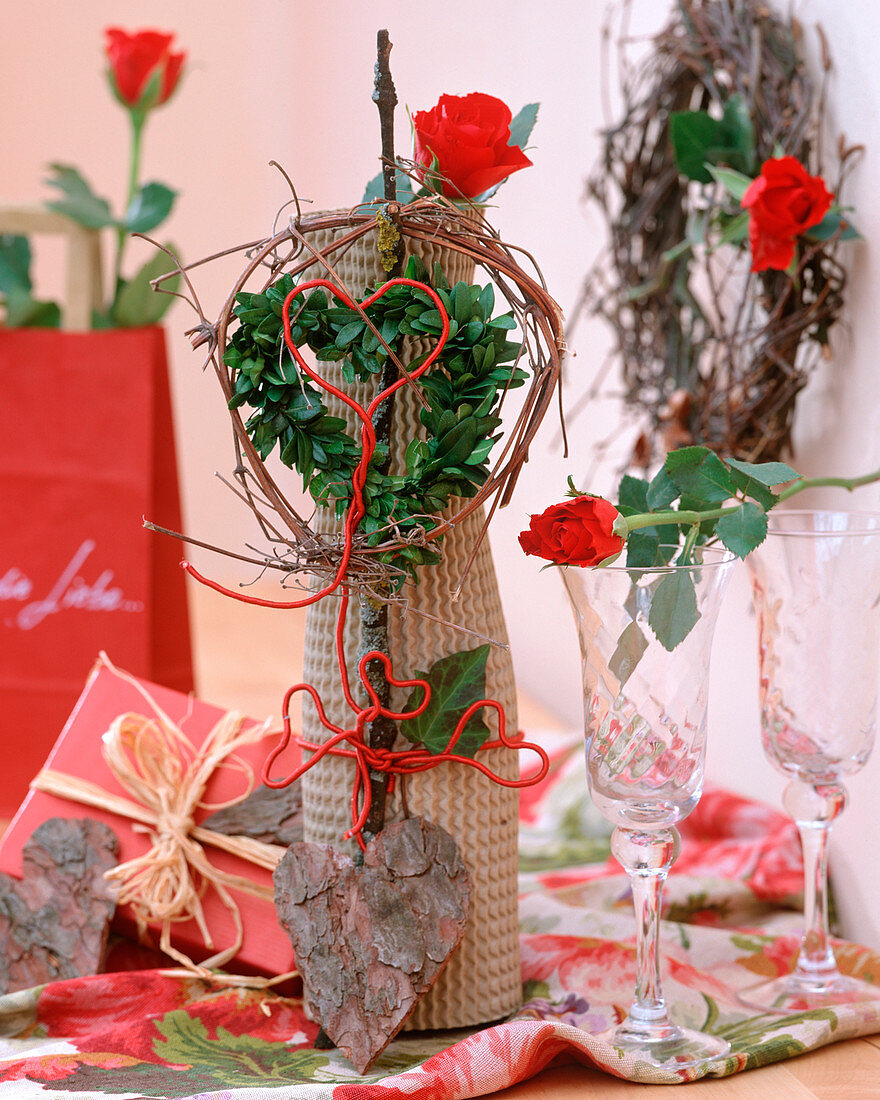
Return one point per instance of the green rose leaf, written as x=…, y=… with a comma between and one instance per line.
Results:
x=137, y=303
x=15, y=264
x=632, y=495
x=24, y=311
x=150, y=206
x=835, y=222
x=79, y=203
x=674, y=611
x=456, y=682
x=741, y=531
x=735, y=183
x=768, y=473
x=700, y=473
x=375, y=189
x=692, y=134
x=522, y=125
x=662, y=491
x=631, y=644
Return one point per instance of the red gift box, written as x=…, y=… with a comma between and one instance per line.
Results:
x=109, y=695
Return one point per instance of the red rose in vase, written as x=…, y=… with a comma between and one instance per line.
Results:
x=783, y=202
x=468, y=137
x=143, y=70
x=576, y=532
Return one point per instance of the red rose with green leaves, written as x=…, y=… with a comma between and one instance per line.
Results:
x=783, y=202
x=143, y=70
x=576, y=532
x=469, y=138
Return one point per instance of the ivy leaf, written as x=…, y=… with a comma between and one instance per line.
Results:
x=137, y=303
x=522, y=125
x=674, y=611
x=743, y=530
x=700, y=473
x=150, y=206
x=692, y=134
x=80, y=202
x=456, y=682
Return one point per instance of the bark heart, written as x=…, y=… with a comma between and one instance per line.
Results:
x=54, y=920
x=370, y=941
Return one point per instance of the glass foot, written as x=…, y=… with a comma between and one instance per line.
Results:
x=791, y=993
x=672, y=1046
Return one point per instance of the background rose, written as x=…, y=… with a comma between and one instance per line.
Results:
x=783, y=202
x=135, y=58
x=575, y=532
x=468, y=135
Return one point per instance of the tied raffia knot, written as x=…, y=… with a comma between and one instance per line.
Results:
x=154, y=761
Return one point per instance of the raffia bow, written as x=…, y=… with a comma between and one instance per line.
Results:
x=154, y=761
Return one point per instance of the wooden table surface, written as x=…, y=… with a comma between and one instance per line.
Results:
x=843, y=1071
x=246, y=657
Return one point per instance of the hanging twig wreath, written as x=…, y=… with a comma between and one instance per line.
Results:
x=711, y=352
x=461, y=397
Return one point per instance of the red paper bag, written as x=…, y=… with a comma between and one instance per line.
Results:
x=266, y=948
x=86, y=453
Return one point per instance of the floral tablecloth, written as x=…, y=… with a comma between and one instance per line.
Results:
x=731, y=921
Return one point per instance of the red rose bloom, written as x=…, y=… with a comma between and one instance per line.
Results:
x=576, y=532
x=783, y=202
x=468, y=135
x=134, y=58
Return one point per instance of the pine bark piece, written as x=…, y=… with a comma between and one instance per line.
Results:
x=272, y=815
x=55, y=919
x=370, y=941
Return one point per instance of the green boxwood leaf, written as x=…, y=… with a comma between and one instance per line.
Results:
x=150, y=206
x=743, y=530
x=456, y=682
x=79, y=203
x=674, y=612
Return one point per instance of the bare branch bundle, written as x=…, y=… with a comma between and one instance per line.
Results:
x=711, y=352
x=295, y=547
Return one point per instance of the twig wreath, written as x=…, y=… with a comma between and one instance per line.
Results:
x=461, y=396
x=711, y=351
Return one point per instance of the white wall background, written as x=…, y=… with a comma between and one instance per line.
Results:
x=292, y=81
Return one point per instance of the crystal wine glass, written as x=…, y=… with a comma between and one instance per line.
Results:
x=645, y=637
x=816, y=590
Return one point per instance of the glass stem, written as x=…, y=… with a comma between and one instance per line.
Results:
x=814, y=808
x=646, y=857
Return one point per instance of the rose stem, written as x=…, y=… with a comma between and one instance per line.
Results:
x=689, y=518
x=382, y=732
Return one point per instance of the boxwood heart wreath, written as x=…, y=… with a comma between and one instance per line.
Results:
x=461, y=381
